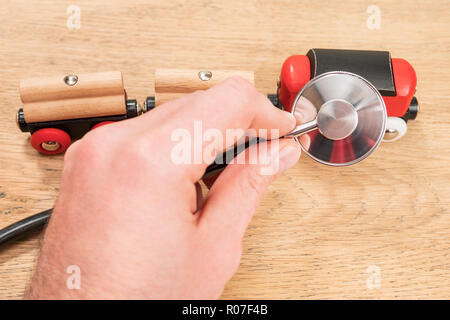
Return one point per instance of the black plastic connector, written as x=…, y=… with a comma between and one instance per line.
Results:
x=275, y=100
x=413, y=110
x=21, y=123
x=149, y=103
x=132, y=108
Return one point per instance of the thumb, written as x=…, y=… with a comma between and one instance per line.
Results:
x=235, y=195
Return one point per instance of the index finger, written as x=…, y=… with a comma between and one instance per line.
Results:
x=229, y=109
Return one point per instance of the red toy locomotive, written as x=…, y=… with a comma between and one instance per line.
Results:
x=394, y=78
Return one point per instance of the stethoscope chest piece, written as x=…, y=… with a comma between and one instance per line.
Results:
x=350, y=118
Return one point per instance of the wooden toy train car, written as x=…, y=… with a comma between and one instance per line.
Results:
x=60, y=109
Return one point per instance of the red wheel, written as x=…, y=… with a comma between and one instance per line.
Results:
x=101, y=124
x=50, y=140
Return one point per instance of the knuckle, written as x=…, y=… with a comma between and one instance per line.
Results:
x=148, y=152
x=240, y=86
x=71, y=151
x=89, y=149
x=154, y=139
x=197, y=94
x=240, y=92
x=183, y=100
x=139, y=147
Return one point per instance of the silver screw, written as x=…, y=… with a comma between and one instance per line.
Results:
x=144, y=107
x=71, y=79
x=205, y=75
x=139, y=108
x=390, y=134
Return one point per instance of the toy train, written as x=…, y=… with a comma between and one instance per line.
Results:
x=58, y=110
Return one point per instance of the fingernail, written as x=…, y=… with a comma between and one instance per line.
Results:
x=289, y=156
x=299, y=116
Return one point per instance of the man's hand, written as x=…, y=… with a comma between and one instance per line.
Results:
x=131, y=216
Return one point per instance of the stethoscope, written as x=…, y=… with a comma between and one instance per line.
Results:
x=350, y=119
x=348, y=124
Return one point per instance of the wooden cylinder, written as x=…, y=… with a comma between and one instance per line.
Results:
x=171, y=84
x=93, y=95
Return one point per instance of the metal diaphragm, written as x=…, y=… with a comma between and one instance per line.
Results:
x=350, y=115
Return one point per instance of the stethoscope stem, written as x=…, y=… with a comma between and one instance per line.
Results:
x=302, y=129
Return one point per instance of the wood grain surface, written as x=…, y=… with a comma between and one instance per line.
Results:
x=319, y=231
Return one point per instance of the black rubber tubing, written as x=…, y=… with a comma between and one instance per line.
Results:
x=28, y=224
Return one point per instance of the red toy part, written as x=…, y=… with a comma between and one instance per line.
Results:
x=295, y=73
x=405, y=81
x=50, y=140
x=101, y=124
x=342, y=151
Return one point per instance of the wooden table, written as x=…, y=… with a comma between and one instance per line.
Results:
x=319, y=231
